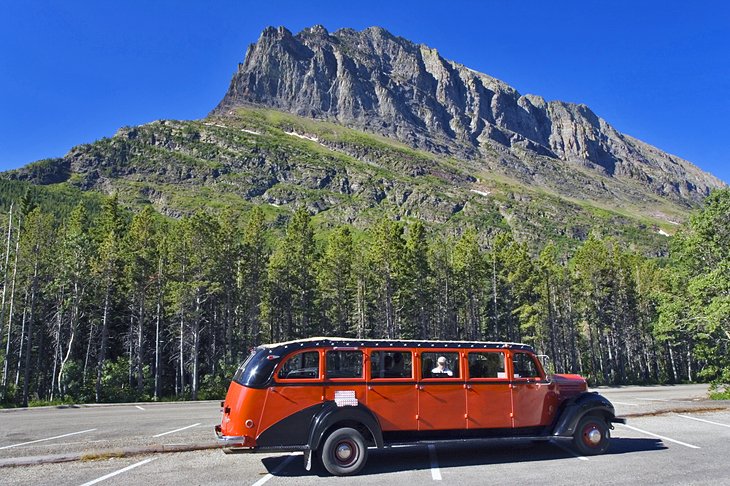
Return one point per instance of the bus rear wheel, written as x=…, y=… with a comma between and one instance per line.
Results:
x=344, y=452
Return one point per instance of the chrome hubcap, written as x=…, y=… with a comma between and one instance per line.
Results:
x=594, y=436
x=343, y=452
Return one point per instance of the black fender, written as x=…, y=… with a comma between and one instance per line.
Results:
x=579, y=406
x=331, y=414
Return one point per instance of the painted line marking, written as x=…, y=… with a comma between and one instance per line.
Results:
x=139, y=407
x=661, y=437
x=568, y=450
x=111, y=475
x=653, y=399
x=176, y=430
x=435, y=470
x=275, y=471
x=702, y=420
x=50, y=438
x=626, y=404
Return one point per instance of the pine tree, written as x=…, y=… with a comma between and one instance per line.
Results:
x=386, y=259
x=252, y=278
x=140, y=266
x=290, y=304
x=107, y=267
x=470, y=282
x=417, y=290
x=337, y=286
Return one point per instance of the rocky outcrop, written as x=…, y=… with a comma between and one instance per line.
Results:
x=375, y=81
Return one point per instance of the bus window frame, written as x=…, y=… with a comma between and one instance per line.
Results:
x=541, y=377
x=343, y=379
x=506, y=360
x=441, y=379
x=320, y=370
x=377, y=379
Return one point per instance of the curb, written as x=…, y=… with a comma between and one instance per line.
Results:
x=667, y=411
x=103, y=454
x=103, y=405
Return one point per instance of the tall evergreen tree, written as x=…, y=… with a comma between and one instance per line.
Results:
x=337, y=286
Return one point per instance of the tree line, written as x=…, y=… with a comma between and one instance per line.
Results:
x=116, y=306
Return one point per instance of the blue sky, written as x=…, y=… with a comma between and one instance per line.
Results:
x=75, y=71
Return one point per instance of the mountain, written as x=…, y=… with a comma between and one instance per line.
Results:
x=353, y=125
x=374, y=81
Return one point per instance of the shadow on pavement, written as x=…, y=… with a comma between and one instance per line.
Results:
x=416, y=457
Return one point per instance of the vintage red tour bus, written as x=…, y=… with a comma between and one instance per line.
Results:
x=335, y=397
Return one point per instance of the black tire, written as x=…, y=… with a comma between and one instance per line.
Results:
x=592, y=436
x=344, y=453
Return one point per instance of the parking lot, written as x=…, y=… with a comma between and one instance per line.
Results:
x=673, y=436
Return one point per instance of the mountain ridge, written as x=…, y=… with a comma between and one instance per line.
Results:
x=441, y=106
x=271, y=143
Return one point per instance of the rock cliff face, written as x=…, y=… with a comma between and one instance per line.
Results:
x=377, y=82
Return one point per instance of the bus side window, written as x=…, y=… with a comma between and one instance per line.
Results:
x=391, y=364
x=439, y=365
x=302, y=365
x=524, y=366
x=344, y=364
x=486, y=365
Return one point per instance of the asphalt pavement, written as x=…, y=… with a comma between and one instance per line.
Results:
x=674, y=435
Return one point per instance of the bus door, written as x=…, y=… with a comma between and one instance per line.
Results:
x=391, y=390
x=297, y=385
x=441, y=399
x=533, y=397
x=488, y=391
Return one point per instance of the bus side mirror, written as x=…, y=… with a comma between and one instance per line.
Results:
x=547, y=365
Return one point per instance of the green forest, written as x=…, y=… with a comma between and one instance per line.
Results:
x=107, y=305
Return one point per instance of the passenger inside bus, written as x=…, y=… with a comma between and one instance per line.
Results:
x=442, y=367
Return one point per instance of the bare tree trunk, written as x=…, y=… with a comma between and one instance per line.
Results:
x=75, y=312
x=22, y=343
x=140, y=344
x=130, y=368
x=28, y=341
x=360, y=308
x=196, y=346
x=158, y=323
x=182, y=349
x=57, y=339
x=88, y=353
x=6, y=361
x=673, y=365
x=689, y=360
x=103, y=344
x=5, y=279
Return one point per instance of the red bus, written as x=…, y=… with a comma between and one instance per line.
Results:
x=333, y=398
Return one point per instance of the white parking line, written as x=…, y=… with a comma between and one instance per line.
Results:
x=435, y=470
x=568, y=450
x=653, y=399
x=661, y=437
x=275, y=471
x=50, y=438
x=702, y=420
x=176, y=430
x=139, y=407
x=111, y=475
x=626, y=404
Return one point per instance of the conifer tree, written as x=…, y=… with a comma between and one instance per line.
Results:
x=337, y=289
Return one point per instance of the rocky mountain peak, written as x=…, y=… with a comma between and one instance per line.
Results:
x=375, y=81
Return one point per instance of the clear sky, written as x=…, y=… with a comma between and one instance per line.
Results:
x=72, y=72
